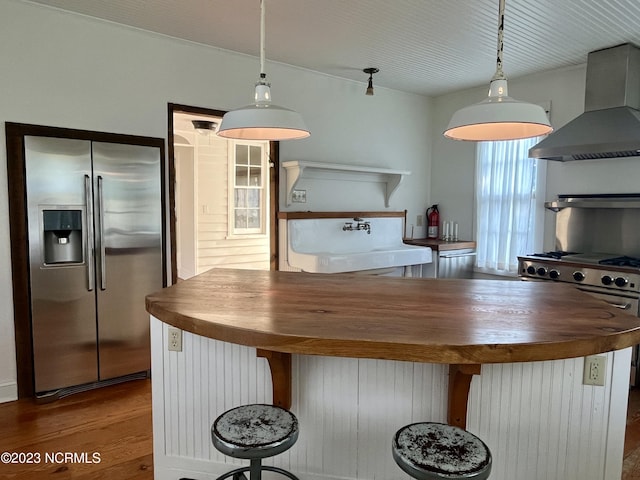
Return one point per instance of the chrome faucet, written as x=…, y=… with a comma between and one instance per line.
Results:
x=366, y=226
x=360, y=225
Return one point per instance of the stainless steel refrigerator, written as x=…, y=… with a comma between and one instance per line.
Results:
x=95, y=251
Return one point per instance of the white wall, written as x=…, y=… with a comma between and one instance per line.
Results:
x=453, y=163
x=391, y=132
x=71, y=71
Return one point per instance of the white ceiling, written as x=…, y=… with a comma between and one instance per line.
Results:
x=428, y=47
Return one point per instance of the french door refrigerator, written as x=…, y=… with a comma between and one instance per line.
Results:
x=95, y=251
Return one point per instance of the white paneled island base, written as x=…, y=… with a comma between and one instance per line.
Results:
x=537, y=418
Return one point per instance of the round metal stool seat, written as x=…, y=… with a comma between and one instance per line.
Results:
x=436, y=451
x=255, y=432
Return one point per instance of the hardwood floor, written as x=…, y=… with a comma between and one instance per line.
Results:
x=631, y=465
x=115, y=422
x=112, y=422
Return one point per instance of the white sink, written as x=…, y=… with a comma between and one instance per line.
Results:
x=322, y=246
x=325, y=262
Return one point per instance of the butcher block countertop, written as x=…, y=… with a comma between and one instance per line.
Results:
x=452, y=321
x=441, y=245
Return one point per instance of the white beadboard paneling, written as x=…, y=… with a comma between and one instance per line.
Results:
x=328, y=435
x=205, y=379
x=214, y=248
x=540, y=422
x=619, y=400
x=390, y=397
x=537, y=418
x=423, y=46
x=159, y=411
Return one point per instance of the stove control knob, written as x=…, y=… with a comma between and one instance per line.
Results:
x=621, y=281
x=531, y=270
x=542, y=271
x=554, y=274
x=607, y=279
x=578, y=276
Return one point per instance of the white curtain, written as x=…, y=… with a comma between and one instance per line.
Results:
x=506, y=188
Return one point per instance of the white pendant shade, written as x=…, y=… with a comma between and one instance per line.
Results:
x=263, y=121
x=498, y=117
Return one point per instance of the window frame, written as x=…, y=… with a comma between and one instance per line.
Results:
x=264, y=187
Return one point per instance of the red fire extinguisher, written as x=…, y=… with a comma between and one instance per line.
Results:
x=433, y=221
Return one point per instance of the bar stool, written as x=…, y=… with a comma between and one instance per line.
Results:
x=253, y=432
x=436, y=451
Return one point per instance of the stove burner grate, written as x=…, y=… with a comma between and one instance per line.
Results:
x=623, y=261
x=558, y=254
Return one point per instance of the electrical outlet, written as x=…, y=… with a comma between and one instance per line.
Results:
x=594, y=370
x=299, y=196
x=419, y=220
x=174, y=339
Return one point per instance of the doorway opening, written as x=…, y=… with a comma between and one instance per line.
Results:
x=223, y=197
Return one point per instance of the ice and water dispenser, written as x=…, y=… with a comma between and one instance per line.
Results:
x=62, y=236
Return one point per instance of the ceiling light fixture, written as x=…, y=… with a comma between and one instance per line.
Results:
x=498, y=117
x=204, y=127
x=263, y=120
x=370, y=71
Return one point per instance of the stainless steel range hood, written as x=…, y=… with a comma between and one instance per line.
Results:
x=610, y=125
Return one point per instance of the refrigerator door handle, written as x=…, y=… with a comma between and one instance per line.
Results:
x=103, y=265
x=89, y=234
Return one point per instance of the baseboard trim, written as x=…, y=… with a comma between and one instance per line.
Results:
x=8, y=392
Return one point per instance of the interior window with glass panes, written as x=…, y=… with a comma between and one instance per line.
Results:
x=249, y=191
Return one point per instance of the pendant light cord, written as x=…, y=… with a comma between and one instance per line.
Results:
x=498, y=117
x=262, y=36
x=261, y=120
x=499, y=75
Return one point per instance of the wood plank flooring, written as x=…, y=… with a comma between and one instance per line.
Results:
x=112, y=422
x=631, y=465
x=115, y=422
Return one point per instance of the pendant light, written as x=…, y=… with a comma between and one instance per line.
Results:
x=263, y=120
x=498, y=117
x=370, y=71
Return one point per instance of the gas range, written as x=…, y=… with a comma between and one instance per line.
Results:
x=610, y=271
x=611, y=277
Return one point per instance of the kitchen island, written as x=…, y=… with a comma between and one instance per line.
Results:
x=358, y=356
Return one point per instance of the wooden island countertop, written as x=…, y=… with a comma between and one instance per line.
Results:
x=464, y=323
x=416, y=319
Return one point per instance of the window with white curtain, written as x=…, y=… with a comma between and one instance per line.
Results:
x=509, y=204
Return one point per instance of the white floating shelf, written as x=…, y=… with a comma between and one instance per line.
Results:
x=297, y=169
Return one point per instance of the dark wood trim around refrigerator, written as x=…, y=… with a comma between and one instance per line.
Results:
x=19, y=259
x=15, y=133
x=274, y=148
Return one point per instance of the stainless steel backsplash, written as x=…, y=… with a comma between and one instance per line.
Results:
x=598, y=224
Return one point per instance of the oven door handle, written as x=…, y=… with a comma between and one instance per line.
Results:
x=621, y=306
x=458, y=255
